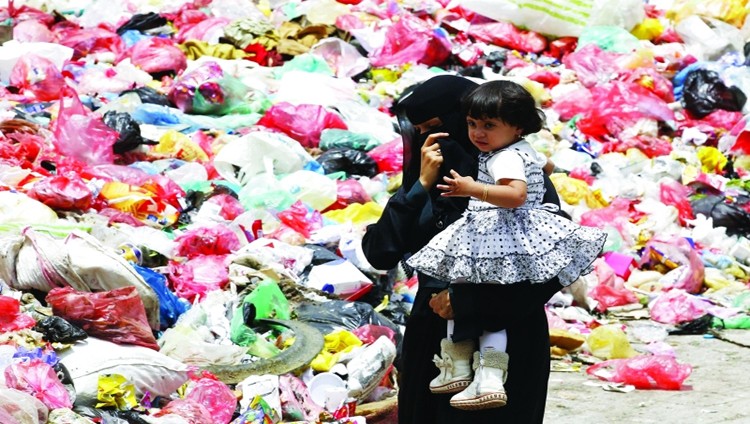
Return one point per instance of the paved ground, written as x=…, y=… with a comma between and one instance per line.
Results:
x=718, y=390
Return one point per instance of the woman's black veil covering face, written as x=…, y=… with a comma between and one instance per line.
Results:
x=438, y=97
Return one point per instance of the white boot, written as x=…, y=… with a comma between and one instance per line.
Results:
x=454, y=363
x=486, y=391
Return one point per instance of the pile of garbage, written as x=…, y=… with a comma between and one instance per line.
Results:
x=184, y=187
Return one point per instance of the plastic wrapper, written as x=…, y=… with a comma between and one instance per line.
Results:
x=117, y=315
x=644, y=372
x=38, y=379
x=58, y=330
x=156, y=55
x=63, y=192
x=303, y=123
x=115, y=391
x=37, y=77
x=80, y=134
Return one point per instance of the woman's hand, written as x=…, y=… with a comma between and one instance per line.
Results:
x=441, y=304
x=458, y=186
x=432, y=158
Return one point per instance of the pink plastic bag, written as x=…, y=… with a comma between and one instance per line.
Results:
x=303, y=123
x=229, y=207
x=191, y=411
x=411, y=40
x=673, y=193
x=644, y=372
x=32, y=31
x=348, y=192
x=117, y=315
x=389, y=156
x=38, y=379
x=37, y=78
x=677, y=306
x=214, y=395
x=505, y=34
x=300, y=219
x=214, y=240
x=368, y=333
x=157, y=55
x=88, y=41
x=609, y=296
x=80, y=134
x=11, y=318
x=593, y=65
x=66, y=192
x=198, y=276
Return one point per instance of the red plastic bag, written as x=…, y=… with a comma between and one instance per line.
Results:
x=229, y=207
x=38, y=379
x=157, y=55
x=66, y=192
x=300, y=219
x=303, y=123
x=88, y=41
x=389, y=156
x=348, y=192
x=505, y=34
x=11, y=318
x=80, y=134
x=37, y=77
x=116, y=315
x=609, y=296
x=643, y=372
x=215, y=240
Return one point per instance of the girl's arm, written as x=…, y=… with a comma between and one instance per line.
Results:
x=506, y=193
x=549, y=167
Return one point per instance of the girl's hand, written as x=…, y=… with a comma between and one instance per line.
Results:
x=441, y=304
x=458, y=186
x=432, y=158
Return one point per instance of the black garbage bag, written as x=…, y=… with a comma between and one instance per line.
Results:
x=725, y=212
x=149, y=95
x=704, y=92
x=130, y=131
x=697, y=326
x=58, y=330
x=142, y=22
x=337, y=315
x=353, y=162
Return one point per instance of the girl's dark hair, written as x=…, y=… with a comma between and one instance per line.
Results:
x=507, y=101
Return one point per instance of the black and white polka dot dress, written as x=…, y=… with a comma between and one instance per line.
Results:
x=490, y=244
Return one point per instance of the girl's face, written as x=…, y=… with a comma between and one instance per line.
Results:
x=491, y=134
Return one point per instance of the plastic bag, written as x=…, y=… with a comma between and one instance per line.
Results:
x=677, y=306
x=155, y=55
x=410, y=40
x=37, y=77
x=725, y=212
x=704, y=91
x=58, y=330
x=37, y=378
x=17, y=407
x=303, y=123
x=609, y=342
x=64, y=192
x=644, y=372
x=673, y=193
x=11, y=318
x=214, y=395
x=207, y=90
x=560, y=18
x=80, y=134
x=347, y=192
x=314, y=189
x=389, y=156
x=142, y=22
x=198, y=276
x=117, y=315
x=211, y=240
x=342, y=315
x=191, y=411
x=608, y=296
x=676, y=254
x=129, y=131
x=505, y=34
x=353, y=162
x=170, y=306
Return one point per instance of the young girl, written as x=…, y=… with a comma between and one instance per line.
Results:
x=507, y=236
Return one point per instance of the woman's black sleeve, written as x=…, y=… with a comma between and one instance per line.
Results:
x=397, y=231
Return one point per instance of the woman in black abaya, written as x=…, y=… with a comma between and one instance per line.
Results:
x=413, y=215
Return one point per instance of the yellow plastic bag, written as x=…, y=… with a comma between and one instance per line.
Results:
x=116, y=391
x=357, y=213
x=610, y=342
x=730, y=11
x=177, y=145
x=712, y=160
x=573, y=190
x=336, y=343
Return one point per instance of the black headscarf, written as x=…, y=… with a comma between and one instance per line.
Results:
x=440, y=97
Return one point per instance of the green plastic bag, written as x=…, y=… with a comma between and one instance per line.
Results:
x=269, y=302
